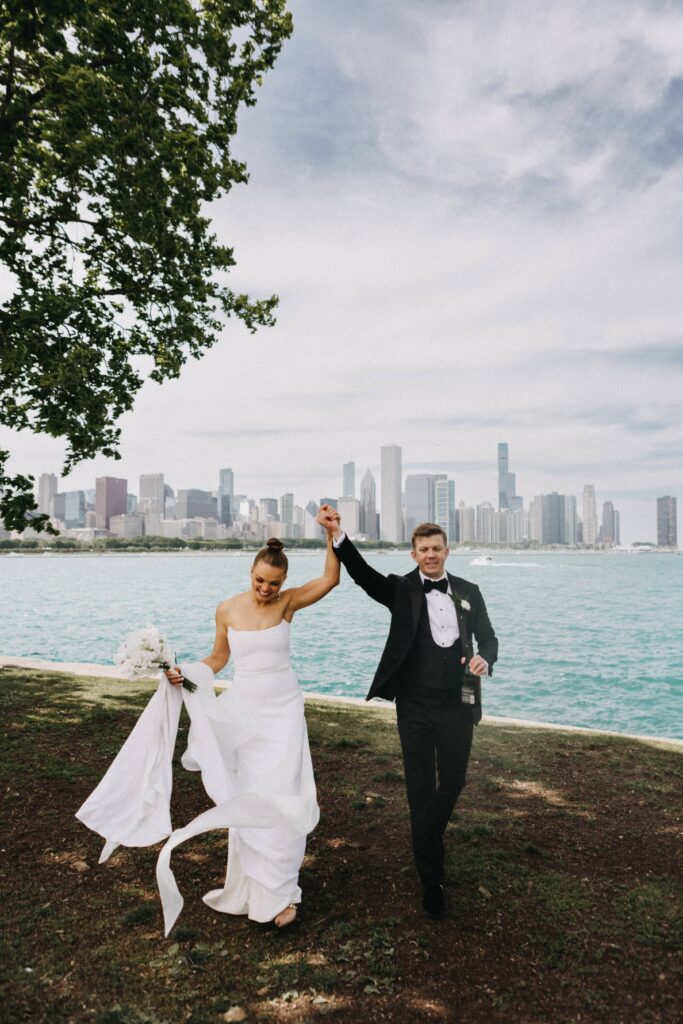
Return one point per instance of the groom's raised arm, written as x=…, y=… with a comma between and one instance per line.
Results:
x=377, y=586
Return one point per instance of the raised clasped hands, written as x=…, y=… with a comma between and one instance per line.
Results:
x=329, y=519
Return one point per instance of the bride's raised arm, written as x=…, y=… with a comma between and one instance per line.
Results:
x=314, y=590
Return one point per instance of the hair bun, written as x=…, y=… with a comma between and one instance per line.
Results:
x=274, y=544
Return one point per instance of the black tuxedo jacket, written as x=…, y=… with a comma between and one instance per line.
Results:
x=403, y=596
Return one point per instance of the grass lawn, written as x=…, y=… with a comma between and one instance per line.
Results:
x=565, y=885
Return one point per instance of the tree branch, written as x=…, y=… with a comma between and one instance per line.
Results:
x=9, y=91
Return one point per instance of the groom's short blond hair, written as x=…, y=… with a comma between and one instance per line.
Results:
x=427, y=530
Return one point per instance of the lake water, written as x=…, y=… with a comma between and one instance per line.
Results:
x=593, y=640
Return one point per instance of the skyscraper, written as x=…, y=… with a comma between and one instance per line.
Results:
x=558, y=518
x=420, y=499
x=311, y=527
x=466, y=530
x=74, y=509
x=224, y=497
x=193, y=503
x=58, y=507
x=667, y=526
x=298, y=524
x=368, y=502
x=267, y=509
x=47, y=488
x=516, y=526
x=486, y=524
x=69, y=508
x=287, y=514
x=590, y=516
x=111, y=499
x=444, y=506
x=502, y=526
x=350, y=511
x=453, y=532
x=536, y=518
x=391, y=522
x=349, y=480
x=609, y=531
x=151, y=497
x=507, y=492
x=571, y=520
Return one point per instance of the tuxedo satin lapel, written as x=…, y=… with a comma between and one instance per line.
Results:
x=460, y=616
x=416, y=595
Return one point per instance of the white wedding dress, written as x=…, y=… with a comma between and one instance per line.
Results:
x=251, y=745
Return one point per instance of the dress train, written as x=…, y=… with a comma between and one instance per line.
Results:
x=250, y=744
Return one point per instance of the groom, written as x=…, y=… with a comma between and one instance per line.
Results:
x=433, y=617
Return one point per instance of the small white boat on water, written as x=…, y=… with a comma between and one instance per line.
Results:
x=482, y=560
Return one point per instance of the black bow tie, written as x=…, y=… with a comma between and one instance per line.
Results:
x=441, y=585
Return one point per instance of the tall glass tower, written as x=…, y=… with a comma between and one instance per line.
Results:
x=419, y=500
x=391, y=520
x=47, y=488
x=224, y=496
x=349, y=480
x=151, y=494
x=667, y=532
x=111, y=499
x=507, y=492
x=590, y=516
x=368, y=501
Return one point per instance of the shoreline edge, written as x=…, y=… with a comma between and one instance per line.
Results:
x=111, y=672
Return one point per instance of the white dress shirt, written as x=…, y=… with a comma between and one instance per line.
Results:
x=443, y=621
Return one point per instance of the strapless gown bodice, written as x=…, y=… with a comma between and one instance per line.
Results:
x=260, y=651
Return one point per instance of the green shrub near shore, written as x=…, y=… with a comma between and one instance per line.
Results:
x=564, y=882
x=153, y=543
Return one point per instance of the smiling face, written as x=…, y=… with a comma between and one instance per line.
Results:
x=266, y=582
x=430, y=553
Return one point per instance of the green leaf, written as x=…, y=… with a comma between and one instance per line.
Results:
x=116, y=125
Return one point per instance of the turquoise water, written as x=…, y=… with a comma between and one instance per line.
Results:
x=593, y=640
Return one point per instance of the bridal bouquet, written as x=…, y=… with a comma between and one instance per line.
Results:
x=145, y=652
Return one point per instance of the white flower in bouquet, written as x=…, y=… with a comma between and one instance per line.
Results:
x=143, y=653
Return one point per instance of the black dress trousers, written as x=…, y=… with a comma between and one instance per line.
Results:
x=435, y=729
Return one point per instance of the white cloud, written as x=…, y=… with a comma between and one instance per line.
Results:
x=472, y=214
x=494, y=97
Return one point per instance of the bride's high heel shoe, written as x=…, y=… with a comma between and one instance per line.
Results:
x=289, y=918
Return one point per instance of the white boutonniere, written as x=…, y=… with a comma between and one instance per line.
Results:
x=461, y=602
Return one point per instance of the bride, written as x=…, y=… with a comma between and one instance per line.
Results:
x=250, y=744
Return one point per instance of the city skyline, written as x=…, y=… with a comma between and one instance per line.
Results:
x=549, y=518
x=641, y=526
x=474, y=231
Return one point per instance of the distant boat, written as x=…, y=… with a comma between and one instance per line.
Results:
x=482, y=560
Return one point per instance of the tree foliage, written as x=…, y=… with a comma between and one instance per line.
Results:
x=116, y=118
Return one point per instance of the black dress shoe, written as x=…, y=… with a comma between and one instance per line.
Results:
x=433, y=902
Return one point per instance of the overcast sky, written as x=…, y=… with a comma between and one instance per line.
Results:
x=472, y=213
